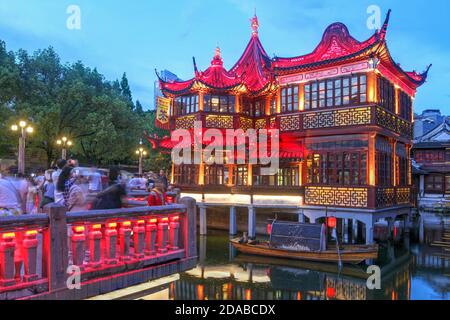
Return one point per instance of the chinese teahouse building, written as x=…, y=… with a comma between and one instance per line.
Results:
x=344, y=115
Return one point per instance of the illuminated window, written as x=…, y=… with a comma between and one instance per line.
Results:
x=273, y=105
x=241, y=175
x=185, y=105
x=289, y=98
x=336, y=92
x=386, y=94
x=405, y=106
x=186, y=174
x=383, y=162
x=219, y=104
x=337, y=162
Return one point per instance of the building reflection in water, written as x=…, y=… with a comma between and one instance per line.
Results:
x=420, y=272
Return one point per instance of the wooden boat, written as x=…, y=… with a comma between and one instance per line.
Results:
x=350, y=270
x=352, y=254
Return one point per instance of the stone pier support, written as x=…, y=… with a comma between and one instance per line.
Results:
x=251, y=222
x=233, y=223
x=301, y=217
x=369, y=233
x=203, y=222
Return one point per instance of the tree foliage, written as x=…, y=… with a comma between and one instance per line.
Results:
x=72, y=100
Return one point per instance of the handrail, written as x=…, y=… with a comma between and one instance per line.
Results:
x=15, y=222
x=97, y=215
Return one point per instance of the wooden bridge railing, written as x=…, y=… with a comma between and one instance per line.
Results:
x=106, y=249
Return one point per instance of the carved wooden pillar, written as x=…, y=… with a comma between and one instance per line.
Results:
x=372, y=87
x=279, y=100
x=201, y=105
x=371, y=160
x=301, y=97
x=394, y=166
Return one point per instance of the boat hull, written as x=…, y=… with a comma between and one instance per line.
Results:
x=349, y=254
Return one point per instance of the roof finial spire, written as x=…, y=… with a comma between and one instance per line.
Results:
x=254, y=24
x=217, y=60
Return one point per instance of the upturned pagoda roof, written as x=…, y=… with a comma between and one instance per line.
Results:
x=255, y=70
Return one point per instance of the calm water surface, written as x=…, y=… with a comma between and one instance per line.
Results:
x=409, y=272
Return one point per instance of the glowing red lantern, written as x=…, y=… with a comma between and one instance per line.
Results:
x=269, y=228
x=331, y=222
x=331, y=293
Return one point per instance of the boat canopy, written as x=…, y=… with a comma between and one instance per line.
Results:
x=298, y=236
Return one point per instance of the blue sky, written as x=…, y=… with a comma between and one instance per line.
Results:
x=137, y=36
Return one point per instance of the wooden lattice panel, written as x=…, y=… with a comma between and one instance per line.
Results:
x=245, y=123
x=186, y=122
x=404, y=128
x=385, y=197
x=290, y=123
x=403, y=195
x=260, y=124
x=337, y=118
x=273, y=122
x=220, y=122
x=341, y=197
x=393, y=123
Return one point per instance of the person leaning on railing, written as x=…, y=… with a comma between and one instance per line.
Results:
x=157, y=196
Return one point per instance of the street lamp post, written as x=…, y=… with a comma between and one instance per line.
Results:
x=141, y=153
x=65, y=144
x=24, y=129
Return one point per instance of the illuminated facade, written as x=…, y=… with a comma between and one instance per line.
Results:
x=344, y=113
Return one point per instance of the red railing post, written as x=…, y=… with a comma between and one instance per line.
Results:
x=174, y=232
x=78, y=241
x=95, y=237
x=139, y=239
x=111, y=243
x=124, y=241
x=30, y=244
x=150, y=237
x=189, y=227
x=163, y=228
x=7, y=248
x=55, y=248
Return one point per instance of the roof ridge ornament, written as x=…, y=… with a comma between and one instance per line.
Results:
x=255, y=25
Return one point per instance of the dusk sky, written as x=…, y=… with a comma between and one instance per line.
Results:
x=137, y=36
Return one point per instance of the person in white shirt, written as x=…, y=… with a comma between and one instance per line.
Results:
x=137, y=183
x=95, y=181
x=13, y=195
x=60, y=164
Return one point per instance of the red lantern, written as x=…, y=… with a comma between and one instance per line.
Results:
x=269, y=228
x=331, y=222
x=331, y=293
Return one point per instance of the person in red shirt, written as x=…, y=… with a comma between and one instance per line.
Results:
x=157, y=196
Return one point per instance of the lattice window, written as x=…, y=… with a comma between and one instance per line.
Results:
x=434, y=183
x=336, y=92
x=219, y=103
x=185, y=105
x=214, y=175
x=289, y=98
x=241, y=175
x=186, y=174
x=383, y=163
x=386, y=94
x=405, y=106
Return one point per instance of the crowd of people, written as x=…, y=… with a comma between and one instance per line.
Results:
x=77, y=189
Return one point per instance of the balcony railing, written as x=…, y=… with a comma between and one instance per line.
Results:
x=106, y=249
x=304, y=120
x=358, y=197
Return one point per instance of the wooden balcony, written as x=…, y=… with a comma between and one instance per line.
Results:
x=300, y=121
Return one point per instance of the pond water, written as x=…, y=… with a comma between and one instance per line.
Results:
x=409, y=271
